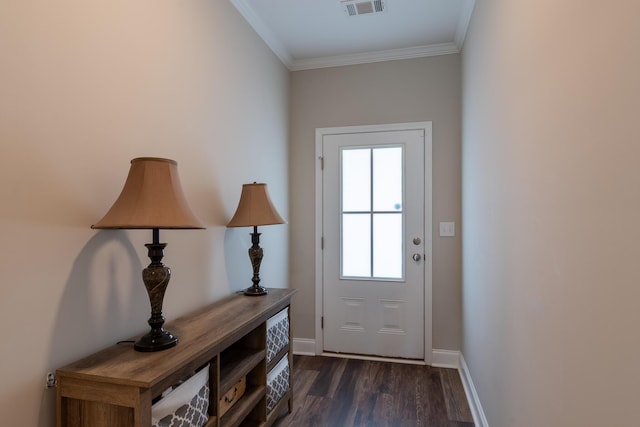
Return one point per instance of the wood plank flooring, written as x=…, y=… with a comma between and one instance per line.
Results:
x=336, y=392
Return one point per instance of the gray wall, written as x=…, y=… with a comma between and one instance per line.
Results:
x=426, y=89
x=551, y=197
x=85, y=87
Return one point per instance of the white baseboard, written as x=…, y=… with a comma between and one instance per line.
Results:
x=455, y=360
x=304, y=346
x=439, y=358
x=445, y=359
x=479, y=419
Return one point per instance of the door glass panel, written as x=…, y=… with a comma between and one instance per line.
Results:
x=372, y=235
x=387, y=179
x=356, y=245
x=387, y=245
x=356, y=180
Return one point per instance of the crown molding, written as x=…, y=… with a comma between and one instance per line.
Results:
x=292, y=64
x=377, y=56
x=263, y=31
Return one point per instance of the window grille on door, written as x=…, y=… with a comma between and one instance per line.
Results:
x=372, y=212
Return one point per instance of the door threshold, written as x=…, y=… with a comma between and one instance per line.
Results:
x=374, y=358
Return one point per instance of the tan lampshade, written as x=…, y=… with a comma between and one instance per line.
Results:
x=255, y=208
x=151, y=198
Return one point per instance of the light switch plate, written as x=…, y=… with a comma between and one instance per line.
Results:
x=447, y=229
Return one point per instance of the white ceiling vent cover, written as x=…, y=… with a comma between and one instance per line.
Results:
x=360, y=7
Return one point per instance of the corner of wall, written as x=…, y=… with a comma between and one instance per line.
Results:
x=479, y=418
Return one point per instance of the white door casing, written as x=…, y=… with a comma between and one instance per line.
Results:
x=375, y=316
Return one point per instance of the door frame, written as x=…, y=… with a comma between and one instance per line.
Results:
x=428, y=228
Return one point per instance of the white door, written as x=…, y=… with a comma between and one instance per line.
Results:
x=373, y=231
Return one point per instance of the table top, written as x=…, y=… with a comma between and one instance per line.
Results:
x=201, y=333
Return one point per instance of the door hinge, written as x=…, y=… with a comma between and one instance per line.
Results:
x=321, y=162
x=322, y=243
x=322, y=322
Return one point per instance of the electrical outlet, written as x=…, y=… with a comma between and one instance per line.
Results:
x=51, y=380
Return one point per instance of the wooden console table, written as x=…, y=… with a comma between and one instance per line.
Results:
x=116, y=386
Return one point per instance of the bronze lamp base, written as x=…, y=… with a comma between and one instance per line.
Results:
x=156, y=278
x=255, y=255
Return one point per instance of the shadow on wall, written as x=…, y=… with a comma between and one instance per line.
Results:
x=104, y=301
x=237, y=242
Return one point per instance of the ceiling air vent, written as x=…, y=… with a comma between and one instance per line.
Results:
x=360, y=7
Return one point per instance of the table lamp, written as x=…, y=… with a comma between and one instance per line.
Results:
x=255, y=208
x=152, y=198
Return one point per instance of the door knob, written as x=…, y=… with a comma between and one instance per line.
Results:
x=416, y=257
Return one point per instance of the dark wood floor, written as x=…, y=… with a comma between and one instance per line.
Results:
x=336, y=392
